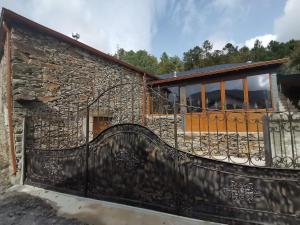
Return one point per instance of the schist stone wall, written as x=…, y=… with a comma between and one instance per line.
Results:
x=4, y=136
x=49, y=74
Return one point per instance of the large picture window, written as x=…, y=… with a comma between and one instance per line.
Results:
x=234, y=94
x=213, y=95
x=193, y=97
x=259, y=91
x=162, y=99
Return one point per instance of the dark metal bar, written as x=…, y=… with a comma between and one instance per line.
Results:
x=191, y=121
x=217, y=127
x=290, y=117
x=138, y=109
x=258, y=137
x=208, y=133
x=159, y=112
x=247, y=135
x=185, y=122
x=69, y=132
x=98, y=106
x=267, y=142
x=63, y=135
x=87, y=149
x=227, y=135
x=200, y=137
x=41, y=131
x=49, y=131
x=77, y=125
x=280, y=135
x=237, y=135
x=175, y=123
x=132, y=102
x=283, y=135
x=58, y=128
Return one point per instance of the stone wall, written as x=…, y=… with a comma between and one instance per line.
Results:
x=4, y=135
x=234, y=147
x=49, y=74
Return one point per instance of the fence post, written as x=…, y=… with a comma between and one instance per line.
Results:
x=87, y=149
x=267, y=141
x=175, y=122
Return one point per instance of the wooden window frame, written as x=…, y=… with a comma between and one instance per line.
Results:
x=245, y=89
x=271, y=94
x=223, y=93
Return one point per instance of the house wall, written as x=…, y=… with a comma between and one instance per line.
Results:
x=49, y=74
x=5, y=157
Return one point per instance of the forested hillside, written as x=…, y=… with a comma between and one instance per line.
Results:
x=201, y=56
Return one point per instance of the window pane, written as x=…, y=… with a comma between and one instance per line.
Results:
x=193, y=97
x=163, y=100
x=173, y=92
x=234, y=94
x=259, y=91
x=213, y=95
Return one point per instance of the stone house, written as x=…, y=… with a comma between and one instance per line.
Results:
x=41, y=68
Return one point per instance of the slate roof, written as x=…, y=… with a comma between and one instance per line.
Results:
x=222, y=69
x=203, y=69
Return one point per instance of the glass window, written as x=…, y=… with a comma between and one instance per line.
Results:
x=213, y=96
x=259, y=91
x=162, y=100
x=234, y=94
x=193, y=97
x=172, y=94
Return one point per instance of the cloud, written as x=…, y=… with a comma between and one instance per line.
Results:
x=102, y=24
x=219, y=41
x=265, y=39
x=187, y=16
x=227, y=4
x=286, y=27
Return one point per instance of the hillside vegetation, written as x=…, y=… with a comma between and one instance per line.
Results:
x=202, y=56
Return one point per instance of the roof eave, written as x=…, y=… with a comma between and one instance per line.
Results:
x=220, y=71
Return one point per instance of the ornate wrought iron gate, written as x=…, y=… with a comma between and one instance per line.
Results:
x=129, y=163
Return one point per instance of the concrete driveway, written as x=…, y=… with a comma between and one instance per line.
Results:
x=30, y=205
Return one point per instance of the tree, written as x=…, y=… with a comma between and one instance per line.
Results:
x=295, y=59
x=207, y=47
x=259, y=53
x=193, y=58
x=141, y=59
x=244, y=54
x=169, y=64
x=230, y=49
x=203, y=56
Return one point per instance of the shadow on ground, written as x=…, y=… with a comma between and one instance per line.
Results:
x=24, y=209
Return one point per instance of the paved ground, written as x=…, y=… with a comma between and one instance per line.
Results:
x=24, y=209
x=44, y=207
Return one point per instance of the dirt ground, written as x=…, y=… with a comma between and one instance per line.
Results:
x=24, y=209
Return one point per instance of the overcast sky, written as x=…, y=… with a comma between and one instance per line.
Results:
x=173, y=26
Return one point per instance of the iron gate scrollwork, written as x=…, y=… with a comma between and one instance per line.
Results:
x=151, y=160
x=130, y=164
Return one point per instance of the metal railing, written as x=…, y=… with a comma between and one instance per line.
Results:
x=249, y=137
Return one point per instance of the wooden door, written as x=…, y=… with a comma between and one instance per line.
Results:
x=100, y=124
